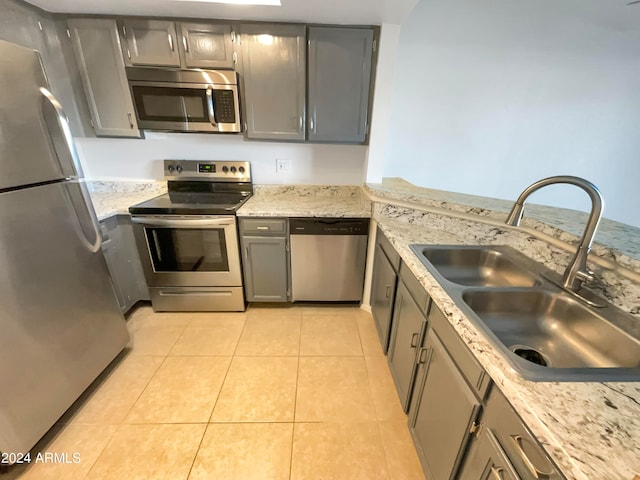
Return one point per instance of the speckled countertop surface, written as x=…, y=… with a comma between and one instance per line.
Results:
x=591, y=430
x=306, y=201
x=114, y=198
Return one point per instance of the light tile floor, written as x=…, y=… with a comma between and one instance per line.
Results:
x=273, y=393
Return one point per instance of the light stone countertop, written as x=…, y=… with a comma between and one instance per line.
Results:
x=591, y=430
x=614, y=240
x=115, y=197
x=306, y=201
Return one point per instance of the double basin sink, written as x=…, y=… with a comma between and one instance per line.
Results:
x=543, y=331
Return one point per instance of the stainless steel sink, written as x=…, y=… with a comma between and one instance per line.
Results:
x=544, y=332
x=479, y=266
x=562, y=331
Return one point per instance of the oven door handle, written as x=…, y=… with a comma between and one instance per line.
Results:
x=184, y=223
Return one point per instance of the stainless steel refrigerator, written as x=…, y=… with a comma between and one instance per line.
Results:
x=60, y=325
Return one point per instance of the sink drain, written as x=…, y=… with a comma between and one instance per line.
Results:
x=530, y=354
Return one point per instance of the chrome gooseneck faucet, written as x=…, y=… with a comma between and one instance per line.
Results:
x=576, y=272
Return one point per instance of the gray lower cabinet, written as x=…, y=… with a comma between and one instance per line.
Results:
x=408, y=328
x=273, y=64
x=445, y=409
x=486, y=460
x=450, y=389
x=265, y=256
x=121, y=255
x=384, y=280
x=521, y=456
x=339, y=79
x=97, y=47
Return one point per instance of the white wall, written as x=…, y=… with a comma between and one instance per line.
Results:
x=492, y=95
x=142, y=159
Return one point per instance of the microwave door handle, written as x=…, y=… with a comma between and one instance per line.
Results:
x=212, y=118
x=67, y=151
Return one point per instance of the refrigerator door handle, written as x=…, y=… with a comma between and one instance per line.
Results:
x=85, y=199
x=68, y=148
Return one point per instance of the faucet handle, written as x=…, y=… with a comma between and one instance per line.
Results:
x=586, y=276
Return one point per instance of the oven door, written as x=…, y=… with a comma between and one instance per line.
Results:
x=186, y=107
x=188, y=250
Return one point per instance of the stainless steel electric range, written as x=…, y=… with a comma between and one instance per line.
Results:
x=188, y=240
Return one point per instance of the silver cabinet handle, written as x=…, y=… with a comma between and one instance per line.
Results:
x=130, y=120
x=263, y=228
x=300, y=124
x=170, y=41
x=422, y=356
x=387, y=291
x=533, y=469
x=312, y=125
x=414, y=340
x=185, y=44
x=234, y=57
x=212, y=118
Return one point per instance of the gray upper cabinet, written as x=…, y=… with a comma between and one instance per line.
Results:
x=151, y=42
x=339, y=79
x=97, y=48
x=23, y=24
x=207, y=45
x=273, y=61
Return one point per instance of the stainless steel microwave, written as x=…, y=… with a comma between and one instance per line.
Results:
x=185, y=100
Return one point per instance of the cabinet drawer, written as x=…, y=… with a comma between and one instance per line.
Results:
x=388, y=249
x=473, y=372
x=417, y=291
x=522, y=448
x=263, y=226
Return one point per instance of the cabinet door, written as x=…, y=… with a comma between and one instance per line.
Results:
x=339, y=81
x=97, y=48
x=152, y=42
x=486, y=460
x=408, y=328
x=207, y=45
x=383, y=290
x=122, y=259
x=444, y=412
x=273, y=61
x=265, y=269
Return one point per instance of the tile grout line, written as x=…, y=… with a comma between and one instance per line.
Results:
x=208, y=423
x=295, y=400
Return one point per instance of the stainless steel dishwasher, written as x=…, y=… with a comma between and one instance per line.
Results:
x=328, y=257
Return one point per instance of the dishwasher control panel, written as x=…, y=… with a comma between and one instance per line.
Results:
x=329, y=226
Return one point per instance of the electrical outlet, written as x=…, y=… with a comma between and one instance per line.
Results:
x=283, y=165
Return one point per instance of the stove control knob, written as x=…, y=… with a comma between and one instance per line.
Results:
x=179, y=168
x=225, y=169
x=170, y=168
x=233, y=169
x=241, y=169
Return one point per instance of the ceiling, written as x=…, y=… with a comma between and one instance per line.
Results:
x=344, y=12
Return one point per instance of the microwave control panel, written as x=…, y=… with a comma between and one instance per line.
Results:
x=224, y=106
